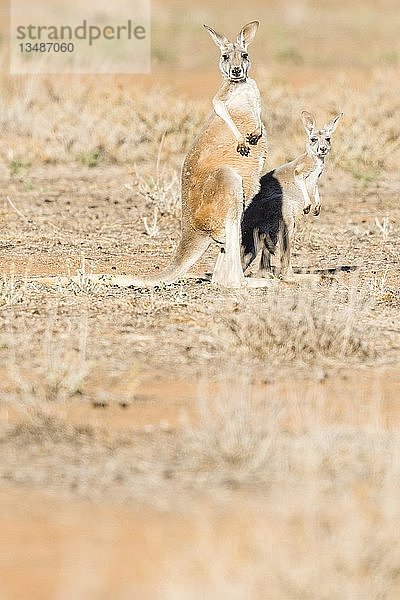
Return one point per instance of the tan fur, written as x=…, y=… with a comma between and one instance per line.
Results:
x=205, y=174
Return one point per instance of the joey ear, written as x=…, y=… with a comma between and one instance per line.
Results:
x=308, y=121
x=331, y=126
x=219, y=39
x=247, y=34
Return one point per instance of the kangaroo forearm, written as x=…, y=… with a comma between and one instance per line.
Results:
x=222, y=111
x=303, y=188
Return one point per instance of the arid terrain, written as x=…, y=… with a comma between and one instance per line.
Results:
x=187, y=441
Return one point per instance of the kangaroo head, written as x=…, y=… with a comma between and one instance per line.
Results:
x=234, y=61
x=319, y=140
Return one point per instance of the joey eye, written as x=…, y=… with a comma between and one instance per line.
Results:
x=314, y=140
x=225, y=56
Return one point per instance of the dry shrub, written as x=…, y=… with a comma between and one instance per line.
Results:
x=161, y=191
x=233, y=441
x=12, y=291
x=55, y=374
x=244, y=438
x=302, y=327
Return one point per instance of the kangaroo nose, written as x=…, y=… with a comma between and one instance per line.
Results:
x=236, y=71
x=323, y=149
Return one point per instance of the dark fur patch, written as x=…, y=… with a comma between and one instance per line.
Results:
x=263, y=217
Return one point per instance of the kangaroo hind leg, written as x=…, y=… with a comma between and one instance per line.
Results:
x=248, y=249
x=265, y=268
x=285, y=235
x=224, y=206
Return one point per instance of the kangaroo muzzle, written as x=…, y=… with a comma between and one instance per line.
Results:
x=237, y=73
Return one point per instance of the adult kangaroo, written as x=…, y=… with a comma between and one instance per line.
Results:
x=220, y=174
x=222, y=170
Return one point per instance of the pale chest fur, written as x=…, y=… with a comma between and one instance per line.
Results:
x=312, y=178
x=244, y=99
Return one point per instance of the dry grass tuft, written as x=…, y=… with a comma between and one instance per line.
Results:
x=302, y=327
x=161, y=191
x=233, y=441
x=54, y=375
x=12, y=291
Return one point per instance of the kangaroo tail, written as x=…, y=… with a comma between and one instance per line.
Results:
x=188, y=252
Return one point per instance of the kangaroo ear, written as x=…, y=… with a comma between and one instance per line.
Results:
x=248, y=33
x=331, y=126
x=308, y=121
x=220, y=40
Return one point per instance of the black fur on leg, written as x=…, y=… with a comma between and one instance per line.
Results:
x=262, y=220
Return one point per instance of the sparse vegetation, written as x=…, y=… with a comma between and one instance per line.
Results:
x=54, y=375
x=318, y=493
x=17, y=165
x=92, y=158
x=290, y=55
x=12, y=291
x=366, y=148
x=302, y=327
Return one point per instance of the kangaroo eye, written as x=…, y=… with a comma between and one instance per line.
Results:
x=225, y=56
x=328, y=140
x=314, y=140
x=245, y=56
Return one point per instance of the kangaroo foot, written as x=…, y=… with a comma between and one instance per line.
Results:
x=306, y=209
x=228, y=280
x=317, y=210
x=262, y=274
x=258, y=282
x=227, y=273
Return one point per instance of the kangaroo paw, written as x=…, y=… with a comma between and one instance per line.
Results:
x=243, y=149
x=253, y=138
x=317, y=210
x=306, y=209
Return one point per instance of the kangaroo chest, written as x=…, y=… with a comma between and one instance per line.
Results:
x=243, y=100
x=312, y=178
